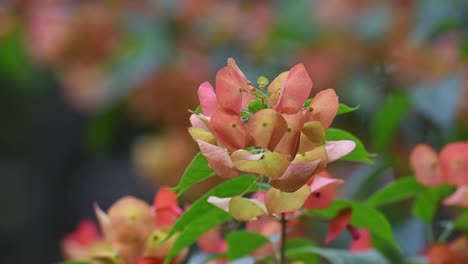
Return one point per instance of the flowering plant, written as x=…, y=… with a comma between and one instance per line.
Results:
x=271, y=145
x=439, y=179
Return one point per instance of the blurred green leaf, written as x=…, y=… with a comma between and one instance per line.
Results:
x=359, y=154
x=196, y=171
x=202, y=216
x=101, y=129
x=241, y=243
x=464, y=48
x=344, y=109
x=461, y=222
x=301, y=250
x=363, y=216
x=427, y=202
x=388, y=118
x=14, y=61
x=425, y=205
x=396, y=191
x=336, y=256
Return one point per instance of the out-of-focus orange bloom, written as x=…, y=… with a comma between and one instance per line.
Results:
x=134, y=232
x=442, y=254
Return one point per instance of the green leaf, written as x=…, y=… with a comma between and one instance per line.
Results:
x=196, y=171
x=15, y=62
x=101, y=129
x=202, y=216
x=307, y=103
x=363, y=216
x=344, y=109
x=336, y=256
x=197, y=110
x=301, y=250
x=241, y=243
x=358, y=154
x=425, y=205
x=462, y=221
x=388, y=118
x=396, y=191
x=427, y=202
x=304, y=250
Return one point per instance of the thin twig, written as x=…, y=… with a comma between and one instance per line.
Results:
x=283, y=239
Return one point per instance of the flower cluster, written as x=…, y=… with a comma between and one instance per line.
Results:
x=449, y=167
x=133, y=232
x=270, y=131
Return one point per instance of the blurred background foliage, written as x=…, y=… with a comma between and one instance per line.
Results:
x=94, y=95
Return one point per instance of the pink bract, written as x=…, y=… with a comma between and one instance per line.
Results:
x=294, y=91
x=454, y=163
x=338, y=224
x=425, y=164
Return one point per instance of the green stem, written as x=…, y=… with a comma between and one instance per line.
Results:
x=448, y=229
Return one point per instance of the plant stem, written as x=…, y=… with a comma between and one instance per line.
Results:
x=283, y=239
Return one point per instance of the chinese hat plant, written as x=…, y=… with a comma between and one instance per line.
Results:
x=271, y=145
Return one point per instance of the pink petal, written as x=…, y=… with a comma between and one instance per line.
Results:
x=295, y=176
x=275, y=88
x=264, y=225
x=150, y=260
x=229, y=129
x=361, y=241
x=338, y=224
x=218, y=159
x=231, y=85
x=267, y=127
x=207, y=97
x=165, y=198
x=459, y=197
x=323, y=189
x=166, y=207
x=86, y=233
x=247, y=97
x=322, y=180
x=295, y=90
x=167, y=216
x=103, y=220
x=425, y=165
x=199, y=121
x=323, y=108
x=212, y=241
x=339, y=149
x=453, y=160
